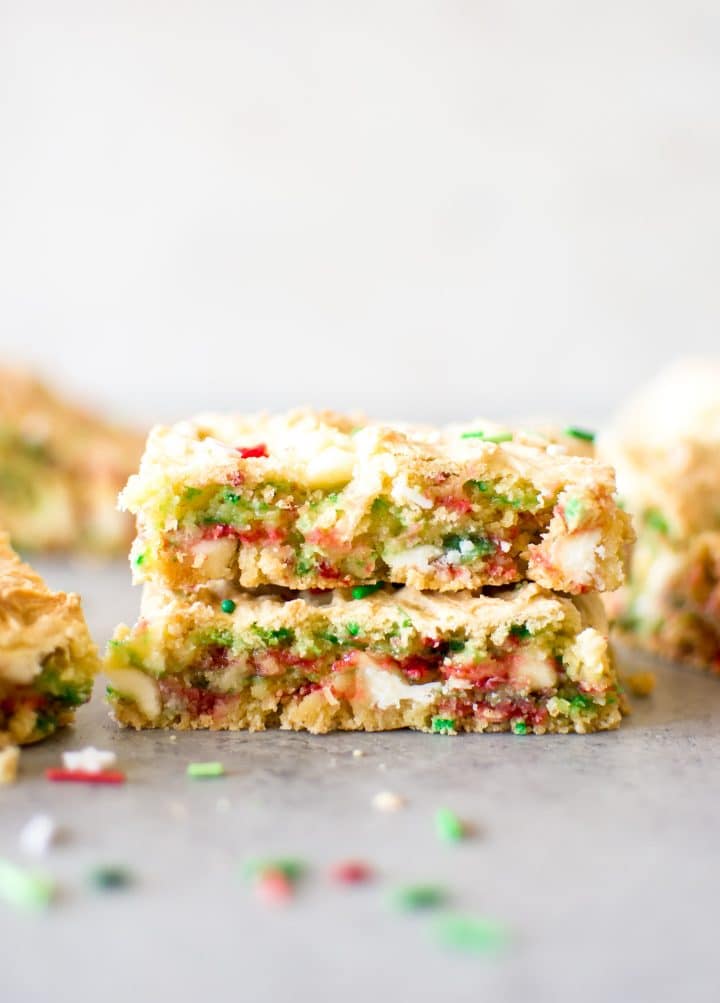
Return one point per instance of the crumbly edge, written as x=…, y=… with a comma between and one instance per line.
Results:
x=47, y=631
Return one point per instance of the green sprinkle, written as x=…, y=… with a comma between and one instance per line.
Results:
x=483, y=486
x=469, y=547
x=518, y=727
x=110, y=877
x=353, y=629
x=227, y=606
x=448, y=826
x=443, y=725
x=290, y=867
x=580, y=433
x=581, y=702
x=472, y=934
x=498, y=437
x=25, y=889
x=412, y=897
x=657, y=521
x=360, y=591
x=201, y=770
x=573, y=509
x=139, y=559
x=519, y=630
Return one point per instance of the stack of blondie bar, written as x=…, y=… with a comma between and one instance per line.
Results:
x=320, y=571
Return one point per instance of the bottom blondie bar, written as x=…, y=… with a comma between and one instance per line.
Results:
x=522, y=659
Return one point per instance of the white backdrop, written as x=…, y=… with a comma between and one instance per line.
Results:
x=423, y=209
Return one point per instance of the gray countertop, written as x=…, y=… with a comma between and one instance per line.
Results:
x=598, y=852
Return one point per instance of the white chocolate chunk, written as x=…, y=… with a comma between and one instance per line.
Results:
x=214, y=557
x=386, y=689
x=533, y=672
x=413, y=557
x=135, y=685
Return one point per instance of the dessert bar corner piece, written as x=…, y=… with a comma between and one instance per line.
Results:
x=61, y=469
x=524, y=660
x=47, y=657
x=317, y=500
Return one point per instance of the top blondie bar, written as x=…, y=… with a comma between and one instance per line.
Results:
x=321, y=500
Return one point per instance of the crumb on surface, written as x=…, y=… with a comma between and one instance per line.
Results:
x=357, y=753
x=640, y=684
x=9, y=762
x=387, y=801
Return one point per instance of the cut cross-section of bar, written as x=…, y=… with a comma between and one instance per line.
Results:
x=47, y=658
x=522, y=659
x=310, y=500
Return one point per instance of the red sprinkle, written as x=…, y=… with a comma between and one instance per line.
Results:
x=274, y=888
x=253, y=452
x=85, y=776
x=351, y=872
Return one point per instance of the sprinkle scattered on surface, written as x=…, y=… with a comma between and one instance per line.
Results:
x=387, y=801
x=471, y=934
x=443, y=725
x=89, y=760
x=199, y=771
x=448, y=826
x=290, y=867
x=38, y=834
x=25, y=889
x=411, y=897
x=9, y=762
x=640, y=684
x=274, y=888
x=82, y=776
x=357, y=753
x=351, y=872
x=110, y=877
x=518, y=727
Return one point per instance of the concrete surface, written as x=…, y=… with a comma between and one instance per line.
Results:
x=600, y=853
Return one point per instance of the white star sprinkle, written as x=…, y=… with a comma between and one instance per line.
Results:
x=89, y=760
